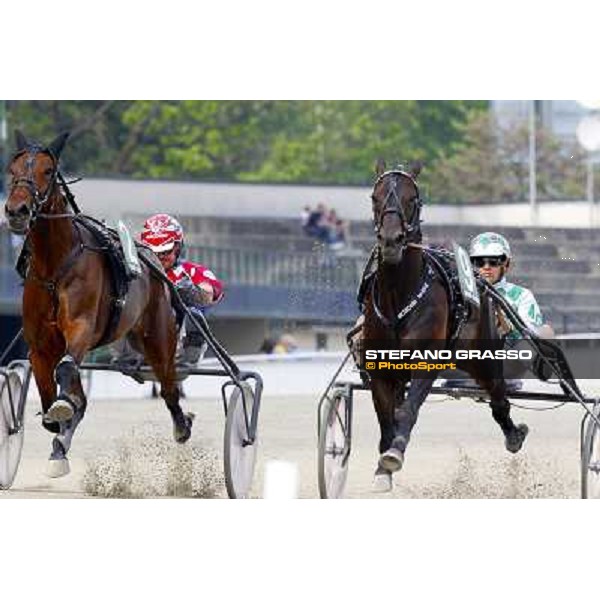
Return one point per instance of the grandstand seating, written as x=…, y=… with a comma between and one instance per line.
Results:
x=561, y=266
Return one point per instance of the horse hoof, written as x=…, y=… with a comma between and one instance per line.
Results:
x=514, y=440
x=183, y=434
x=60, y=411
x=58, y=468
x=382, y=482
x=391, y=460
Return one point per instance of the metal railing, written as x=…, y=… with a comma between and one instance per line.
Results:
x=294, y=278
x=320, y=270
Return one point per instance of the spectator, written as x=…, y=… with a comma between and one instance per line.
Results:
x=287, y=343
x=267, y=346
x=304, y=216
x=337, y=234
x=316, y=224
x=325, y=225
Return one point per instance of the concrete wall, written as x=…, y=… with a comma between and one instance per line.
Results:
x=108, y=198
x=245, y=336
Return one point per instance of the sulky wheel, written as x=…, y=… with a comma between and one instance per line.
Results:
x=240, y=455
x=11, y=430
x=590, y=459
x=334, y=445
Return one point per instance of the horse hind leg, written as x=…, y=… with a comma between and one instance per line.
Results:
x=514, y=435
x=160, y=355
x=182, y=422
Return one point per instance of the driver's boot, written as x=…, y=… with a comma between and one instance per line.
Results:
x=194, y=348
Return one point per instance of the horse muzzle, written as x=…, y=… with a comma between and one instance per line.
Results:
x=18, y=220
x=391, y=255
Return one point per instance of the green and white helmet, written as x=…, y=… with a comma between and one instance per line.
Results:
x=489, y=244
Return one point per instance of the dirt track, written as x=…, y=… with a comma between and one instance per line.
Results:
x=125, y=448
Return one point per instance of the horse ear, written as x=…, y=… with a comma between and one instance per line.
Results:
x=20, y=140
x=56, y=146
x=415, y=169
x=379, y=167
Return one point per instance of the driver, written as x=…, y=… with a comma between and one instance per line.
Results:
x=198, y=286
x=491, y=256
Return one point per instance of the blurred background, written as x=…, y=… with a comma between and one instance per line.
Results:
x=274, y=197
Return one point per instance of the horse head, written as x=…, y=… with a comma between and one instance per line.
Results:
x=34, y=171
x=396, y=210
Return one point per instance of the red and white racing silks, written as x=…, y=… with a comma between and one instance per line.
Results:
x=197, y=274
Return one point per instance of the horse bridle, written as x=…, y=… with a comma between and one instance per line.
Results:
x=410, y=233
x=27, y=181
x=39, y=199
x=392, y=204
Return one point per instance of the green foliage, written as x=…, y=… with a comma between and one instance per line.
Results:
x=96, y=127
x=490, y=164
x=333, y=142
x=339, y=141
x=467, y=156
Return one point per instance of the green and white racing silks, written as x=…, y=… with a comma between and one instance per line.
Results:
x=524, y=303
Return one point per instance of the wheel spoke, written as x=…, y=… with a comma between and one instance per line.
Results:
x=11, y=432
x=239, y=453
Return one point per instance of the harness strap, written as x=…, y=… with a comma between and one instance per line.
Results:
x=460, y=311
x=411, y=305
x=70, y=196
x=119, y=281
x=51, y=285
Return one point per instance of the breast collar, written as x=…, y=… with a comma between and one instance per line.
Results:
x=424, y=288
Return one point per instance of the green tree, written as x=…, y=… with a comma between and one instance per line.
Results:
x=194, y=139
x=334, y=142
x=95, y=125
x=490, y=164
x=339, y=141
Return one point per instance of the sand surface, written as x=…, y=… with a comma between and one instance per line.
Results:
x=124, y=447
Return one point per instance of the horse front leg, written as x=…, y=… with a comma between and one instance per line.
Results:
x=406, y=414
x=78, y=334
x=71, y=398
x=68, y=409
x=66, y=412
x=44, y=368
x=385, y=395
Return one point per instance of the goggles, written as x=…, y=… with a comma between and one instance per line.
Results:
x=166, y=253
x=492, y=261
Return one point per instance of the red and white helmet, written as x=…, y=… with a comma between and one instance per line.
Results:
x=161, y=232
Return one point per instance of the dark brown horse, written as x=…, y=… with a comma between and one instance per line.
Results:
x=409, y=304
x=68, y=299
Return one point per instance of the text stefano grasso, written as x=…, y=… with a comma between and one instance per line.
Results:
x=499, y=354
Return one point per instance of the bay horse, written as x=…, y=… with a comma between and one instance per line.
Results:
x=68, y=299
x=408, y=304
